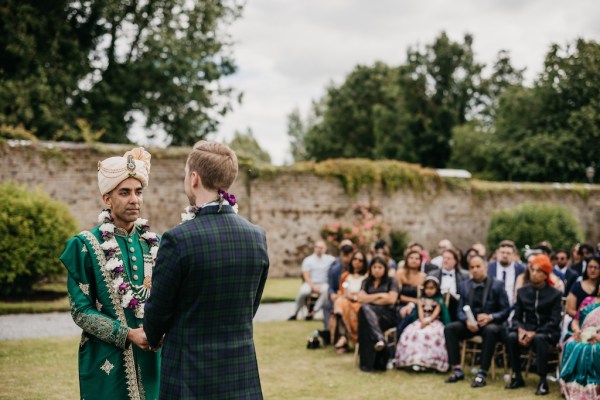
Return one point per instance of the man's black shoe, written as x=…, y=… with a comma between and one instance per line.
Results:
x=515, y=384
x=542, y=389
x=478, y=382
x=292, y=318
x=455, y=377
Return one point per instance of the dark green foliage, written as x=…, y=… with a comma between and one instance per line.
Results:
x=246, y=147
x=33, y=232
x=532, y=223
x=549, y=132
x=399, y=241
x=105, y=61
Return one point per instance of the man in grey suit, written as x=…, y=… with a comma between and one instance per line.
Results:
x=206, y=287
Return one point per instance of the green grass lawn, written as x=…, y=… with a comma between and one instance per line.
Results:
x=47, y=369
x=52, y=297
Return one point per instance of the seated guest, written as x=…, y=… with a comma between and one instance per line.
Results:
x=488, y=303
x=523, y=279
x=580, y=366
x=582, y=289
x=377, y=313
x=337, y=268
x=584, y=251
x=536, y=322
x=314, y=274
x=451, y=277
x=505, y=268
x=562, y=266
x=422, y=345
x=410, y=279
x=426, y=266
x=344, y=324
x=381, y=249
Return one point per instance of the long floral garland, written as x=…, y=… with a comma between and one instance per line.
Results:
x=132, y=296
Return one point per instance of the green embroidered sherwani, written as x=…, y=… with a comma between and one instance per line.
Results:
x=109, y=366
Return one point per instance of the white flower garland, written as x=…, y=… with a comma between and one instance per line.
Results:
x=130, y=298
x=189, y=213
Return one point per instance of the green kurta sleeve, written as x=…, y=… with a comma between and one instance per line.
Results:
x=82, y=286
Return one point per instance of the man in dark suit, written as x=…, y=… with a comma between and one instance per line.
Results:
x=206, y=287
x=489, y=309
x=585, y=251
x=562, y=266
x=450, y=277
x=536, y=322
x=506, y=269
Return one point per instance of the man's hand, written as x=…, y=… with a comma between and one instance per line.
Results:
x=525, y=337
x=484, y=319
x=138, y=337
x=472, y=327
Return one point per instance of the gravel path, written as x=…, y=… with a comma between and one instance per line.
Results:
x=25, y=326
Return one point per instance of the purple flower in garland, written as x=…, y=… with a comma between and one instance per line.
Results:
x=110, y=252
x=123, y=287
x=106, y=235
x=118, y=270
x=133, y=303
x=226, y=196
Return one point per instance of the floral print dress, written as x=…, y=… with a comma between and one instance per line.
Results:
x=424, y=347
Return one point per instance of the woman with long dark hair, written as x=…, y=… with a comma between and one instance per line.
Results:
x=378, y=297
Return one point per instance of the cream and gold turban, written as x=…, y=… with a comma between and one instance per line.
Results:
x=114, y=170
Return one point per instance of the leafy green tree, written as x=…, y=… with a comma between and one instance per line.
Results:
x=297, y=134
x=548, y=132
x=359, y=117
x=444, y=81
x=246, y=146
x=44, y=48
x=106, y=61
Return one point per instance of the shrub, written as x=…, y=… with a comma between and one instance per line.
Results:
x=365, y=230
x=532, y=223
x=33, y=232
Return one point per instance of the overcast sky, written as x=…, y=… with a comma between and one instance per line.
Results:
x=288, y=51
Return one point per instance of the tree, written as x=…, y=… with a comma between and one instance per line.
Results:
x=547, y=132
x=297, y=134
x=405, y=113
x=246, y=146
x=43, y=53
x=443, y=86
x=359, y=117
x=106, y=61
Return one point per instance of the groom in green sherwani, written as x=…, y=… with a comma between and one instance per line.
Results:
x=109, y=270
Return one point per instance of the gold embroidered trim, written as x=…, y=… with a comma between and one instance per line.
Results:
x=107, y=367
x=85, y=288
x=84, y=249
x=98, y=305
x=132, y=386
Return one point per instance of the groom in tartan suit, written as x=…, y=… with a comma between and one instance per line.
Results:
x=206, y=287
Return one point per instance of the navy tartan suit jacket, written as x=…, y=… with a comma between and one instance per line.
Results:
x=206, y=287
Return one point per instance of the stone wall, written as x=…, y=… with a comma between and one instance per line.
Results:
x=291, y=205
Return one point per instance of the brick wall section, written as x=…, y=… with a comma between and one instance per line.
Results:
x=291, y=206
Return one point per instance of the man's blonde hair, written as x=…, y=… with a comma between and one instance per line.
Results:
x=216, y=164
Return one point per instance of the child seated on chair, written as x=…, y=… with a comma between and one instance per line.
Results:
x=422, y=344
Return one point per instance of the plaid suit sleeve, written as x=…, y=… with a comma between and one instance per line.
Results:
x=166, y=281
x=263, y=280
